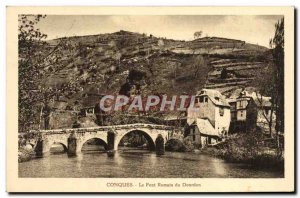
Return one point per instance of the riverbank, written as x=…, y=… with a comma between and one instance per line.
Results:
x=260, y=161
x=249, y=149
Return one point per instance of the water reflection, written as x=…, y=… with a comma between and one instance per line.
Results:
x=137, y=163
x=79, y=159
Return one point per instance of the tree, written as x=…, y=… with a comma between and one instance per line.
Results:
x=265, y=82
x=270, y=81
x=277, y=45
x=29, y=43
x=197, y=34
x=35, y=54
x=224, y=73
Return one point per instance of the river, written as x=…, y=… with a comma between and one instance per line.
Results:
x=137, y=163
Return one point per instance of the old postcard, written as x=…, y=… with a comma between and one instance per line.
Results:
x=150, y=99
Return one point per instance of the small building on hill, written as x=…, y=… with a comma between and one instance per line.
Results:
x=89, y=102
x=209, y=120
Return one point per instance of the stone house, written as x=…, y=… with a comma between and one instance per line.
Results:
x=243, y=113
x=249, y=111
x=210, y=119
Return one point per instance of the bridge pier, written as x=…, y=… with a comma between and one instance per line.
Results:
x=111, y=144
x=42, y=148
x=160, y=145
x=73, y=149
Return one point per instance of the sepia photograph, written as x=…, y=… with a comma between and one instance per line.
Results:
x=163, y=96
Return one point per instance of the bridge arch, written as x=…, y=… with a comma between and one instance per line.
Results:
x=99, y=139
x=146, y=133
x=83, y=139
x=43, y=147
x=63, y=144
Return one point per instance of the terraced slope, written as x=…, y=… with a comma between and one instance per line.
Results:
x=226, y=75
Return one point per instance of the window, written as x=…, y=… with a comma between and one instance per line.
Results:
x=205, y=99
x=201, y=99
x=240, y=104
x=267, y=111
x=221, y=111
x=242, y=113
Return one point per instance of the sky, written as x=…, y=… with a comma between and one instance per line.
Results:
x=255, y=29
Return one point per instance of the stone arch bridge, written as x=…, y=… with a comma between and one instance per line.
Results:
x=73, y=139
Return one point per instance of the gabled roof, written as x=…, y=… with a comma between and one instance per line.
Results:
x=90, y=101
x=205, y=127
x=250, y=92
x=215, y=96
x=260, y=101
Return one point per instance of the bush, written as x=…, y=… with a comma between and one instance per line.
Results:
x=25, y=155
x=175, y=145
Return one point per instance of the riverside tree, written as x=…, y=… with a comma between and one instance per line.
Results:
x=35, y=55
x=30, y=41
x=277, y=44
x=271, y=81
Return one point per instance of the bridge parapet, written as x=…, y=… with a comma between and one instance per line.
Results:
x=105, y=128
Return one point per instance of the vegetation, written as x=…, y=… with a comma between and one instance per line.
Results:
x=25, y=155
x=134, y=139
x=175, y=145
x=198, y=34
x=35, y=55
x=250, y=149
x=271, y=83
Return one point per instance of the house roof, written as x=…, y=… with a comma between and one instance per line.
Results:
x=215, y=96
x=91, y=100
x=250, y=92
x=205, y=127
x=261, y=101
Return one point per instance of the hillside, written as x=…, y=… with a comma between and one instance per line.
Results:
x=126, y=62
